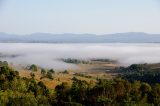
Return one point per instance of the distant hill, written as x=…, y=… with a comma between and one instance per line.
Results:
x=129, y=37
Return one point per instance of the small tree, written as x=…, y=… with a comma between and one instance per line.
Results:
x=43, y=72
x=52, y=71
x=33, y=67
x=5, y=63
x=74, y=79
x=65, y=72
x=49, y=75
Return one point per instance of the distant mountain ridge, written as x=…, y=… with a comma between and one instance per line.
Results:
x=129, y=37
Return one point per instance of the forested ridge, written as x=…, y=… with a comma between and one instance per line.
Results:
x=121, y=91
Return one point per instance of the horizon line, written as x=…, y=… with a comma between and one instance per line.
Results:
x=75, y=33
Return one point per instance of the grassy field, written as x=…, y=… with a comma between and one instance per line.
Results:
x=88, y=72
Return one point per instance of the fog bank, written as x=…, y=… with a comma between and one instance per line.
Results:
x=47, y=55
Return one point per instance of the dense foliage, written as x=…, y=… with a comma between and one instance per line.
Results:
x=141, y=72
x=17, y=91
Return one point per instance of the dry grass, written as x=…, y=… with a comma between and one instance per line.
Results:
x=96, y=70
x=58, y=78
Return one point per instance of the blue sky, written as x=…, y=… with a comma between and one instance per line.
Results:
x=79, y=16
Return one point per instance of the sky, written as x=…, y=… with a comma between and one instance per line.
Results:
x=79, y=16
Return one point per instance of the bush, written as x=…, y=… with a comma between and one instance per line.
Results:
x=52, y=71
x=43, y=72
x=65, y=72
x=49, y=75
x=33, y=67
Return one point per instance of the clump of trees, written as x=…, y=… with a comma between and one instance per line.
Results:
x=75, y=61
x=117, y=92
x=47, y=73
x=103, y=60
x=140, y=72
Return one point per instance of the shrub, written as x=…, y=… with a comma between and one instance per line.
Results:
x=33, y=67
x=49, y=75
x=52, y=71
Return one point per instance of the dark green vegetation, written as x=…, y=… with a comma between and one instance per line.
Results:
x=103, y=60
x=65, y=72
x=149, y=73
x=78, y=61
x=120, y=91
x=33, y=67
x=75, y=61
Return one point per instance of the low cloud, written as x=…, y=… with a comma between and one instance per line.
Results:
x=48, y=55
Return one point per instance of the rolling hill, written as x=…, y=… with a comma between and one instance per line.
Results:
x=129, y=37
